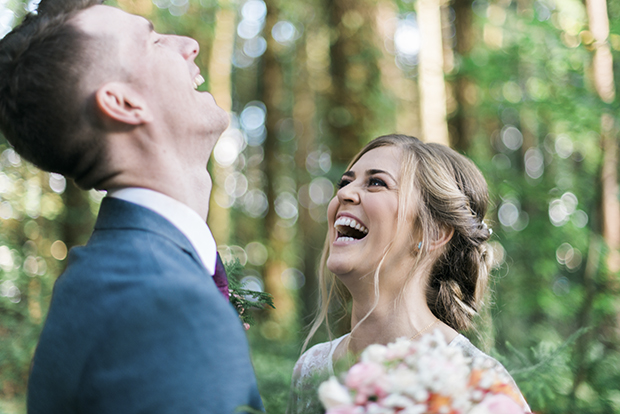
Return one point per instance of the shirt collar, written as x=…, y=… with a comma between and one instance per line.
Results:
x=186, y=220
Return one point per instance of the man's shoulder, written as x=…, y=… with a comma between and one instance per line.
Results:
x=127, y=234
x=127, y=263
x=115, y=285
x=122, y=266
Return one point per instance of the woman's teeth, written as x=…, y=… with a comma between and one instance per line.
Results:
x=349, y=229
x=346, y=239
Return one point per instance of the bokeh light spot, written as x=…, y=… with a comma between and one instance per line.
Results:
x=512, y=138
x=57, y=183
x=58, y=250
x=321, y=190
x=284, y=32
x=257, y=253
x=293, y=279
x=254, y=10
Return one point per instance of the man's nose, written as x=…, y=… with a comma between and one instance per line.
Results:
x=188, y=47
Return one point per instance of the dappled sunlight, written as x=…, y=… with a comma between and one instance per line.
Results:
x=526, y=90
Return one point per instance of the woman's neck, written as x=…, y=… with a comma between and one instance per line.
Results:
x=398, y=313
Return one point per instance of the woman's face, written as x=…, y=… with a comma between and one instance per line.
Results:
x=363, y=216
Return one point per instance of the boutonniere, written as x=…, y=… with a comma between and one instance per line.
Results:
x=245, y=299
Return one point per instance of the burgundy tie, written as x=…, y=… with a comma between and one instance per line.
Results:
x=220, y=278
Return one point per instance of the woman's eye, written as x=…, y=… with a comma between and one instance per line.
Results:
x=376, y=182
x=343, y=182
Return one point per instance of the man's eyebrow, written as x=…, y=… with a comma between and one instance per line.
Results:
x=149, y=24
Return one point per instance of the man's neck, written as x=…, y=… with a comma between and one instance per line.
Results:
x=173, y=170
x=193, y=190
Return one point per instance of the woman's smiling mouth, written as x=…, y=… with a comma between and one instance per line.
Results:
x=349, y=229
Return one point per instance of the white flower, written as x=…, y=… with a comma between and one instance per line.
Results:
x=374, y=353
x=416, y=409
x=399, y=349
x=333, y=394
x=479, y=409
x=487, y=380
x=379, y=409
x=420, y=395
x=404, y=380
x=397, y=401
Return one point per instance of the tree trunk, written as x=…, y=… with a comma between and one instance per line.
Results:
x=351, y=112
x=310, y=234
x=431, y=73
x=460, y=125
x=220, y=88
x=602, y=63
x=610, y=193
x=404, y=89
x=272, y=94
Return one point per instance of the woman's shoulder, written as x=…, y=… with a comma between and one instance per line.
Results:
x=473, y=352
x=317, y=358
x=468, y=348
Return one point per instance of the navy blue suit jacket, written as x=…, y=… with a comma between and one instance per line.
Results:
x=136, y=325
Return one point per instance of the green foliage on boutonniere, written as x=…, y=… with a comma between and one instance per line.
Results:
x=244, y=299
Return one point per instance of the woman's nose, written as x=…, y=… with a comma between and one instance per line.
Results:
x=348, y=194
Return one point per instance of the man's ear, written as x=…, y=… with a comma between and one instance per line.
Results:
x=444, y=236
x=119, y=102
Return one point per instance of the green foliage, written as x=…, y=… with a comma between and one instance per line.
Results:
x=30, y=222
x=273, y=363
x=244, y=299
x=544, y=376
x=552, y=281
x=554, y=308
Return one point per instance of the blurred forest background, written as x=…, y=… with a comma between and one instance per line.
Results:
x=526, y=88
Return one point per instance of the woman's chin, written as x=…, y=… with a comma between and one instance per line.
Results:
x=338, y=267
x=345, y=268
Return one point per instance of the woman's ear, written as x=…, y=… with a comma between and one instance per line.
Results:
x=119, y=102
x=443, y=236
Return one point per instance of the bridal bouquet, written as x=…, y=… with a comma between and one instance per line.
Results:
x=422, y=377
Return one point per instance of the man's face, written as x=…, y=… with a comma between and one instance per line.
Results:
x=160, y=68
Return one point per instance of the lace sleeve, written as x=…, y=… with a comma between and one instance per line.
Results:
x=310, y=370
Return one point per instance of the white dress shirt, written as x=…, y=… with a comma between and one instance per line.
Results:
x=180, y=215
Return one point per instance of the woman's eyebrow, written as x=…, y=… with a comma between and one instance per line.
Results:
x=349, y=174
x=374, y=171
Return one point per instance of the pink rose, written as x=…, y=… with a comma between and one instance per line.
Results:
x=367, y=379
x=497, y=404
x=362, y=374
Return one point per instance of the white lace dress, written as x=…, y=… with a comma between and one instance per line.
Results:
x=316, y=365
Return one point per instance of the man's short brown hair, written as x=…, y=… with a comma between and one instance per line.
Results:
x=42, y=111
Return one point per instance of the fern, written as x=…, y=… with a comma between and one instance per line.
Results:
x=244, y=299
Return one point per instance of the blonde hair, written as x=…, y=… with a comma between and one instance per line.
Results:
x=451, y=193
